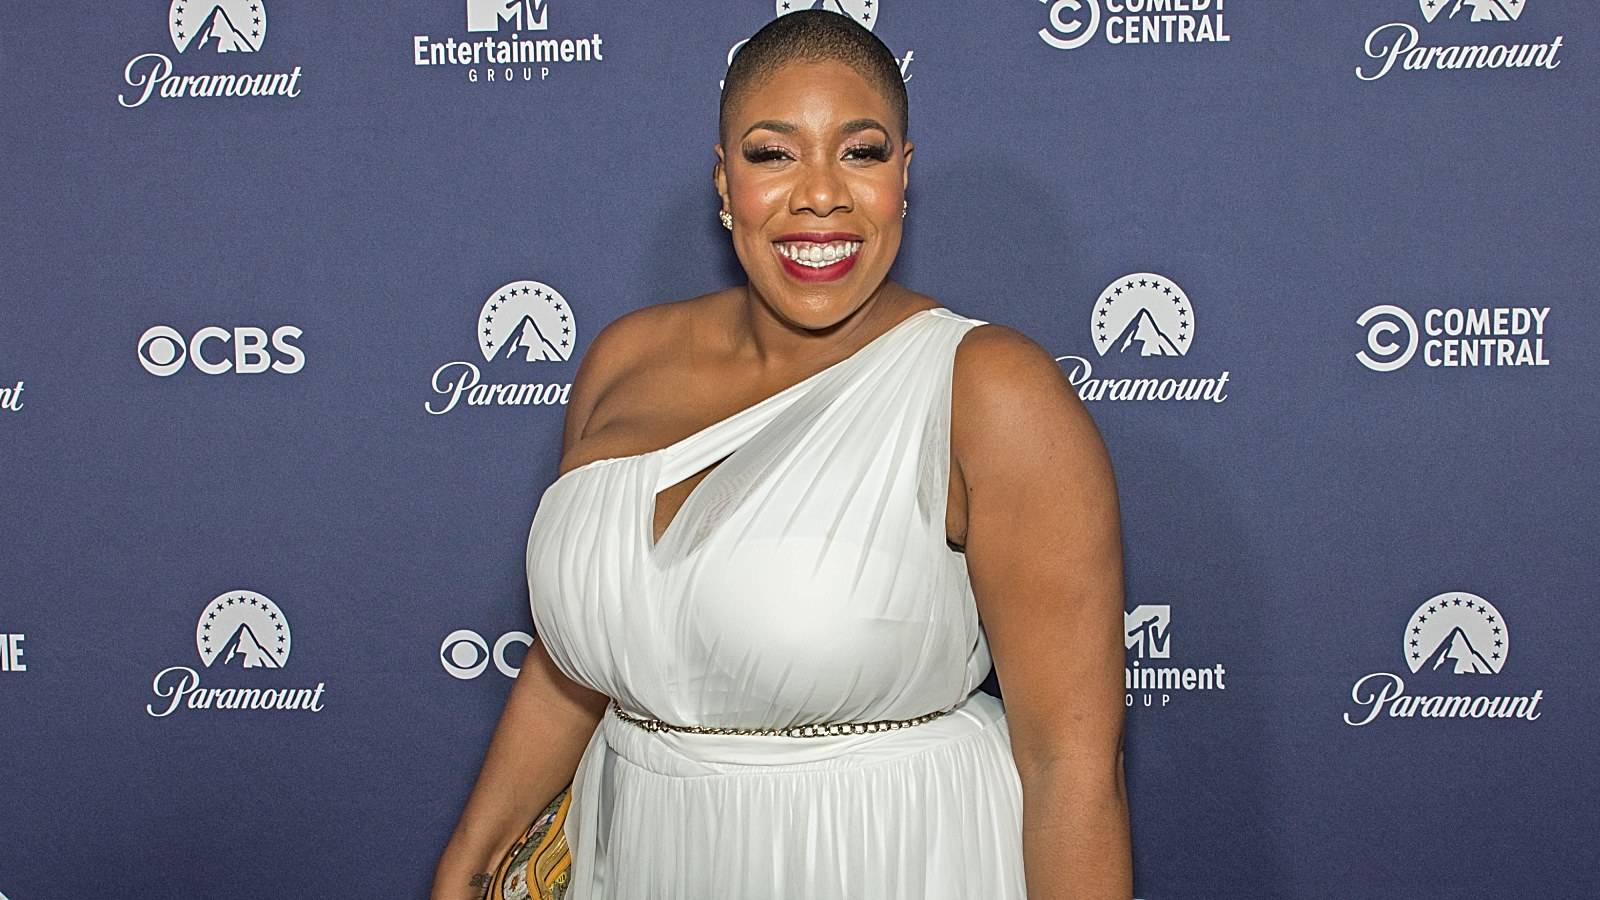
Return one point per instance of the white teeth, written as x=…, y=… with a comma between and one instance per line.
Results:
x=817, y=256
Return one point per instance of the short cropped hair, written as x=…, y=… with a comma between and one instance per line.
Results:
x=813, y=35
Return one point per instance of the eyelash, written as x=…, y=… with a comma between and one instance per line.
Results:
x=875, y=152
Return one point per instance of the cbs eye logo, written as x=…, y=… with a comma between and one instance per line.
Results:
x=465, y=654
x=163, y=350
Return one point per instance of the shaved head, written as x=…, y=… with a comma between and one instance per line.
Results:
x=813, y=36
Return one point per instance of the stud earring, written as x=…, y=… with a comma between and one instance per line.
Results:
x=904, y=205
x=727, y=219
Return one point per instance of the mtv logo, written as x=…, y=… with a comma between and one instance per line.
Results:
x=1145, y=630
x=524, y=15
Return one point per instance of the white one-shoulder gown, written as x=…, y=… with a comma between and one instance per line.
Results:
x=806, y=579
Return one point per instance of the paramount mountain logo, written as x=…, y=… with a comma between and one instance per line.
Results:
x=1398, y=47
x=1451, y=634
x=1142, y=315
x=523, y=321
x=864, y=12
x=526, y=320
x=194, y=29
x=1476, y=10
x=1146, y=314
x=198, y=30
x=1147, y=633
x=237, y=630
x=228, y=630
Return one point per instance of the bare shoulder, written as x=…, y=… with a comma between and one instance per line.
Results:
x=1013, y=409
x=628, y=347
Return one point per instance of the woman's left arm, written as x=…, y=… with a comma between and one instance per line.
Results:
x=1044, y=550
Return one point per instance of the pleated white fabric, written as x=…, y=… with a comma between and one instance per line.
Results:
x=806, y=579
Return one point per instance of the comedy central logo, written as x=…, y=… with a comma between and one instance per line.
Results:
x=864, y=12
x=221, y=26
x=1453, y=634
x=1073, y=23
x=1454, y=337
x=521, y=322
x=238, y=630
x=1136, y=317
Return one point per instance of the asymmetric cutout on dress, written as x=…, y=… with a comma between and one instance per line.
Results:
x=697, y=478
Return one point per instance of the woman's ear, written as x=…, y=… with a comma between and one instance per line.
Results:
x=719, y=175
x=905, y=166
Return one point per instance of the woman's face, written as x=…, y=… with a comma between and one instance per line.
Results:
x=814, y=173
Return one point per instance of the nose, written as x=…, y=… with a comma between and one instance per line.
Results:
x=820, y=191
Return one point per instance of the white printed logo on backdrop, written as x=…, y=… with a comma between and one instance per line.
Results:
x=465, y=654
x=11, y=396
x=517, y=15
x=1137, y=317
x=222, y=26
x=11, y=652
x=506, y=42
x=201, y=32
x=243, y=350
x=863, y=12
x=1454, y=337
x=238, y=631
x=1147, y=634
x=1452, y=634
x=522, y=322
x=1070, y=24
x=1399, y=47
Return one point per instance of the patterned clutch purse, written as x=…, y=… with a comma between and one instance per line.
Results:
x=539, y=865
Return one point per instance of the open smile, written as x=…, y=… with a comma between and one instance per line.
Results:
x=818, y=257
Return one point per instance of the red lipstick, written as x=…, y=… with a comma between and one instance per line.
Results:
x=816, y=274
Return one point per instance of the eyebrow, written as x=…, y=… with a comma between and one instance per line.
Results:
x=851, y=127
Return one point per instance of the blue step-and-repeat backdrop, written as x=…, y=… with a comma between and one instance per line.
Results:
x=1323, y=272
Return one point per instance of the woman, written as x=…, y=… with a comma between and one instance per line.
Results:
x=791, y=504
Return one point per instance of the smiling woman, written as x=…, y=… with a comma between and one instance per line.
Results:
x=797, y=523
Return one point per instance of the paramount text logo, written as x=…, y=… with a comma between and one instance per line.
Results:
x=204, y=30
x=524, y=321
x=1398, y=46
x=1452, y=634
x=237, y=630
x=1139, y=316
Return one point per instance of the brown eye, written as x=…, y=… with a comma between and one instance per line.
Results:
x=876, y=152
x=764, y=154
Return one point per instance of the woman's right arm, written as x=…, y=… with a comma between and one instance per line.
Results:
x=548, y=719
x=542, y=732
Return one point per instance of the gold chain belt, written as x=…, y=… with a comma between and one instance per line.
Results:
x=821, y=730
